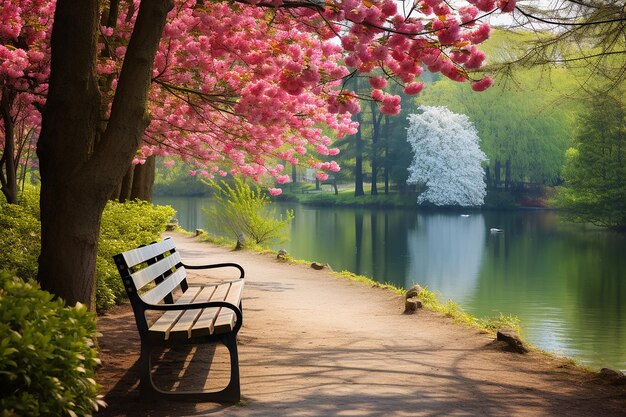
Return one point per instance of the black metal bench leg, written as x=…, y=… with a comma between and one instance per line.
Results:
x=232, y=392
x=146, y=387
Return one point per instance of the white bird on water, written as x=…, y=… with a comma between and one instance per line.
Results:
x=494, y=230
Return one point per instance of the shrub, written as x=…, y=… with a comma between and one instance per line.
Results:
x=20, y=235
x=124, y=226
x=242, y=210
x=499, y=200
x=47, y=354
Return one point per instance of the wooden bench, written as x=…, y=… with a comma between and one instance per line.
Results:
x=155, y=280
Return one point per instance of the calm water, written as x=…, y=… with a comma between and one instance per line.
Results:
x=566, y=282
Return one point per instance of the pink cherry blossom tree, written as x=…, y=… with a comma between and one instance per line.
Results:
x=24, y=70
x=228, y=85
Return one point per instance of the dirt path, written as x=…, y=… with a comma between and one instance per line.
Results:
x=316, y=345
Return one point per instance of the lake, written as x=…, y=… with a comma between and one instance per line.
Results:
x=566, y=282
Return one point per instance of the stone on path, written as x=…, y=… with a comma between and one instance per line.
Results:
x=612, y=377
x=512, y=339
x=411, y=305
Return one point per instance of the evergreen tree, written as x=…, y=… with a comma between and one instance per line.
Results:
x=595, y=171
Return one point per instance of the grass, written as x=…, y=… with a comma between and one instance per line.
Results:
x=363, y=279
x=454, y=311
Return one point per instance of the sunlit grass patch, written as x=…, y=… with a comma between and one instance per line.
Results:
x=453, y=310
x=360, y=278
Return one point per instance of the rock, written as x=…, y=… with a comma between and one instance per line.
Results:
x=512, y=340
x=172, y=225
x=282, y=254
x=413, y=291
x=241, y=242
x=411, y=305
x=199, y=232
x=318, y=266
x=612, y=377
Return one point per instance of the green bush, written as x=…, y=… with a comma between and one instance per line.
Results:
x=124, y=226
x=20, y=235
x=47, y=354
x=499, y=200
x=242, y=210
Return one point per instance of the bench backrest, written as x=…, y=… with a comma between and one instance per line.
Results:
x=157, y=263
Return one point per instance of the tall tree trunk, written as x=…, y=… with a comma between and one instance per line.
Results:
x=488, y=177
x=507, y=174
x=143, y=180
x=123, y=193
x=496, y=172
x=386, y=157
x=79, y=169
x=358, y=165
x=8, y=166
x=376, y=120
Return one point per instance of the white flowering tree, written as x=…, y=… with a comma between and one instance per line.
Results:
x=447, y=159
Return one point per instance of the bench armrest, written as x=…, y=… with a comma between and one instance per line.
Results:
x=222, y=265
x=190, y=306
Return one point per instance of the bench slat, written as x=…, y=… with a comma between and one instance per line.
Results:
x=164, y=288
x=164, y=323
x=148, y=274
x=182, y=329
x=204, y=324
x=227, y=318
x=140, y=255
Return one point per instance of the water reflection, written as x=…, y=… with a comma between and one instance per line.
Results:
x=446, y=252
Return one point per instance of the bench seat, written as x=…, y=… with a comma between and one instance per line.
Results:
x=187, y=324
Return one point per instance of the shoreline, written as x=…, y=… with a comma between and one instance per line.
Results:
x=487, y=324
x=316, y=345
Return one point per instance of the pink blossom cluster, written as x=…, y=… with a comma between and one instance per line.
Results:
x=266, y=84
x=434, y=36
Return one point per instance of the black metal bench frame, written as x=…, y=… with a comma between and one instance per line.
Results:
x=150, y=255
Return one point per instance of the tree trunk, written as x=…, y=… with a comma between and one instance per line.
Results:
x=376, y=120
x=358, y=166
x=125, y=187
x=8, y=168
x=496, y=173
x=488, y=177
x=386, y=158
x=80, y=170
x=507, y=174
x=143, y=180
